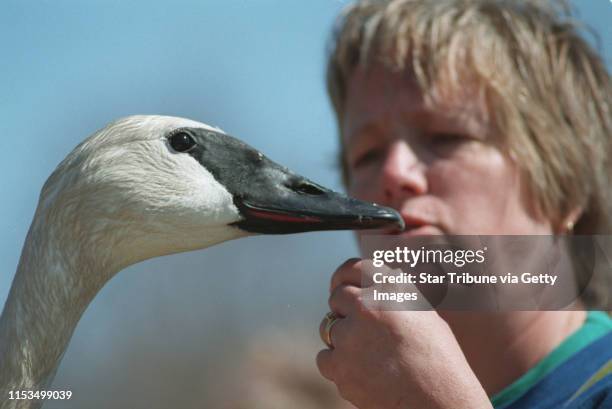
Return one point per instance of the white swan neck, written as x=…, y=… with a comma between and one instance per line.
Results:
x=45, y=303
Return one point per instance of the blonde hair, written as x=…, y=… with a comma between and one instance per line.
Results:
x=548, y=93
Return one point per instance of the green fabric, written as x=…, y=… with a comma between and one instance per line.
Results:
x=596, y=325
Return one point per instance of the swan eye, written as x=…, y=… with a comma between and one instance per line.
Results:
x=181, y=141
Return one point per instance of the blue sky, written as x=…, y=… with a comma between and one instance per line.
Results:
x=253, y=68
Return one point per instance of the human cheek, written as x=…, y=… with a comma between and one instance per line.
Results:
x=478, y=190
x=364, y=184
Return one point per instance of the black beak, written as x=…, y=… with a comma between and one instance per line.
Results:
x=298, y=205
x=274, y=200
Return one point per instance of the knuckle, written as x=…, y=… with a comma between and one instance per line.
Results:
x=319, y=359
x=345, y=268
x=350, y=292
x=344, y=295
x=367, y=263
x=347, y=265
x=324, y=364
x=350, y=262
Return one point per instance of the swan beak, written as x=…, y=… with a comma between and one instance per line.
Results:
x=316, y=209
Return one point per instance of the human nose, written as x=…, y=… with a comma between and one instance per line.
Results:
x=403, y=174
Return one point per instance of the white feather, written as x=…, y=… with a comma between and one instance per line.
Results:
x=120, y=197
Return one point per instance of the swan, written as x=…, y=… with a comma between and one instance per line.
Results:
x=142, y=187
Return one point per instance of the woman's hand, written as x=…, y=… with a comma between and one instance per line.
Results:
x=394, y=359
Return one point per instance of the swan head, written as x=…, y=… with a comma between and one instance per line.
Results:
x=154, y=185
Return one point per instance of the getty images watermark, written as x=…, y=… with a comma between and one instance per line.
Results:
x=488, y=273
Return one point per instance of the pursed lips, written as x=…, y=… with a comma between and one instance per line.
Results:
x=414, y=226
x=418, y=225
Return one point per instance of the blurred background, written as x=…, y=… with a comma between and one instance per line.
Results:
x=232, y=326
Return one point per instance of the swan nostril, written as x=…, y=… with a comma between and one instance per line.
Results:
x=307, y=188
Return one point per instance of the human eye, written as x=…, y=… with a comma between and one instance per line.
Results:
x=448, y=137
x=366, y=157
x=448, y=143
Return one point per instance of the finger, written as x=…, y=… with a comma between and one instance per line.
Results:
x=338, y=332
x=340, y=274
x=325, y=363
x=344, y=299
x=354, y=271
x=325, y=326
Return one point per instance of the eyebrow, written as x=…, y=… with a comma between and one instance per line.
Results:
x=434, y=121
x=365, y=129
x=419, y=119
x=422, y=120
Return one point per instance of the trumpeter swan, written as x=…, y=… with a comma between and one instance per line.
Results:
x=145, y=186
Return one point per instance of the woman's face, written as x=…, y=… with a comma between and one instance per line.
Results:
x=437, y=167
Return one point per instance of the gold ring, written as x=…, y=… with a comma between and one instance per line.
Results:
x=326, y=326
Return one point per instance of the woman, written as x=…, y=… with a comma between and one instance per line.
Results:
x=471, y=117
